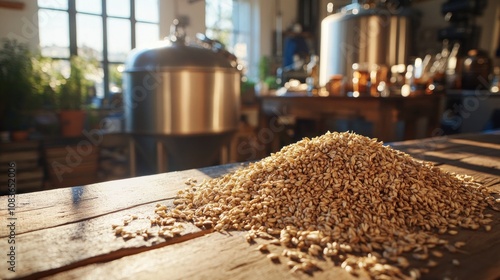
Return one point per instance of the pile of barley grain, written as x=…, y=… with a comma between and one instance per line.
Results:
x=338, y=194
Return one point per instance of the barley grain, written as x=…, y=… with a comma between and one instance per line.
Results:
x=273, y=257
x=337, y=195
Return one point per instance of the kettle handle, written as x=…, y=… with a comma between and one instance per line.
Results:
x=214, y=44
x=177, y=32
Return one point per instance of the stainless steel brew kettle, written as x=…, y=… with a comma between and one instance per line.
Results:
x=182, y=101
x=181, y=88
x=371, y=32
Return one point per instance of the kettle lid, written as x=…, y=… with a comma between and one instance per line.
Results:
x=176, y=52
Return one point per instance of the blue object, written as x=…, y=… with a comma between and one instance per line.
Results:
x=294, y=45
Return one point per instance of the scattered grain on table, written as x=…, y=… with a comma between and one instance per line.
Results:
x=342, y=196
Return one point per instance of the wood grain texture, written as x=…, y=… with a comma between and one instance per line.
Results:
x=217, y=256
x=214, y=256
x=11, y=5
x=66, y=233
x=84, y=242
x=57, y=207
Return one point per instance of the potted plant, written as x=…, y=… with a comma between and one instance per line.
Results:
x=47, y=78
x=247, y=91
x=262, y=87
x=73, y=94
x=17, y=94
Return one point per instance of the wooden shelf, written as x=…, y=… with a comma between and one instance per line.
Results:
x=14, y=5
x=29, y=171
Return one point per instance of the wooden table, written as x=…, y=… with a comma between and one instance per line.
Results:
x=383, y=113
x=66, y=233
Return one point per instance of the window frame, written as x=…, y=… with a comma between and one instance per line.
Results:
x=238, y=29
x=73, y=41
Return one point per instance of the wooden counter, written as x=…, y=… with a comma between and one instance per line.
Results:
x=383, y=113
x=66, y=233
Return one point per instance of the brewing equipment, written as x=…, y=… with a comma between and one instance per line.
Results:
x=181, y=102
x=461, y=16
x=370, y=32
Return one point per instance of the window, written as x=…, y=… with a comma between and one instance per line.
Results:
x=229, y=21
x=105, y=30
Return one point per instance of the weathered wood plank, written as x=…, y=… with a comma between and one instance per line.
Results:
x=47, y=251
x=424, y=145
x=214, y=256
x=465, y=152
x=57, y=207
x=490, y=181
x=453, y=143
x=218, y=256
x=89, y=241
x=67, y=233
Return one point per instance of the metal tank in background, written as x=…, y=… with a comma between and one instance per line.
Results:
x=182, y=103
x=375, y=32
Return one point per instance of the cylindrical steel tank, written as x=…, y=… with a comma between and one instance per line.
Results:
x=185, y=95
x=364, y=33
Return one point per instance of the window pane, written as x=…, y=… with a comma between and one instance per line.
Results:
x=241, y=48
x=210, y=33
x=89, y=6
x=119, y=40
x=219, y=20
x=115, y=78
x=146, y=34
x=226, y=9
x=95, y=74
x=146, y=10
x=54, y=4
x=224, y=36
x=211, y=15
x=54, y=33
x=225, y=24
x=219, y=14
x=89, y=36
x=242, y=14
x=98, y=78
x=118, y=8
